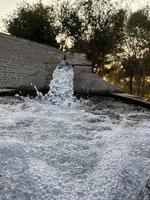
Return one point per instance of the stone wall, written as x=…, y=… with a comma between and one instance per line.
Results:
x=23, y=62
x=86, y=82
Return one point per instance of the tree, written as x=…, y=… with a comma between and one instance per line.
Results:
x=138, y=30
x=106, y=36
x=135, y=56
x=96, y=28
x=34, y=22
x=138, y=26
x=71, y=25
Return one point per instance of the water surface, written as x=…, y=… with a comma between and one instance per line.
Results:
x=92, y=150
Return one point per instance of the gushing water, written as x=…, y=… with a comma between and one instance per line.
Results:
x=97, y=150
x=61, y=93
x=61, y=87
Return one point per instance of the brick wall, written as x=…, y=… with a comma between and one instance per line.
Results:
x=23, y=63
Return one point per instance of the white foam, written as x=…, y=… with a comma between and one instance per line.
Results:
x=82, y=154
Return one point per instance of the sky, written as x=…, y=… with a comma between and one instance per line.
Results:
x=7, y=6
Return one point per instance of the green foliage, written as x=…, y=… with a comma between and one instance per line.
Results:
x=34, y=22
x=139, y=23
x=71, y=23
x=97, y=28
x=105, y=39
x=134, y=70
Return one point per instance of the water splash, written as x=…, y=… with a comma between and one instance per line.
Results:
x=61, y=87
x=61, y=93
x=92, y=154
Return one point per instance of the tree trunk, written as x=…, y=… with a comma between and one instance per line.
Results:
x=131, y=84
